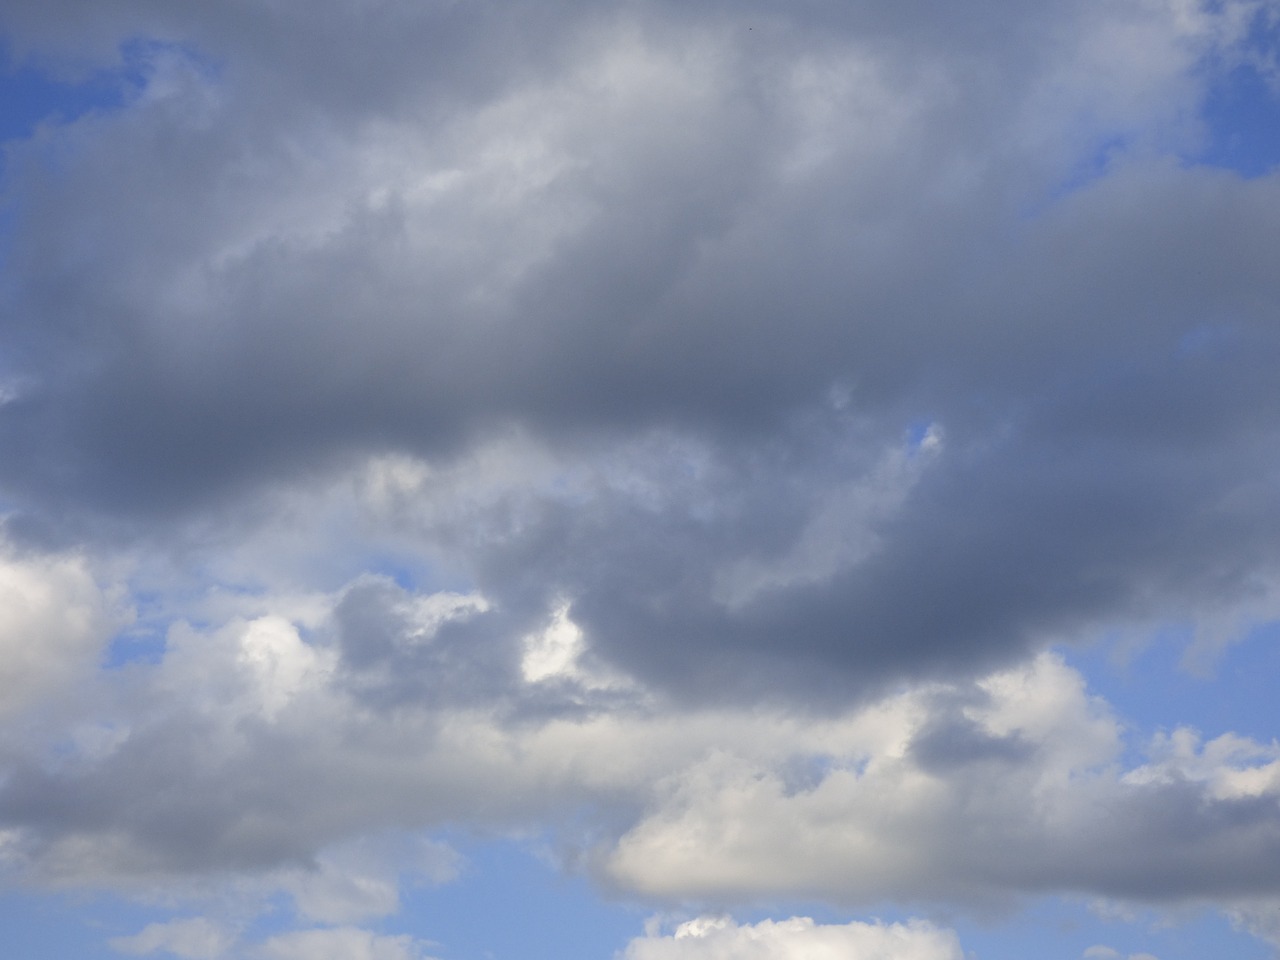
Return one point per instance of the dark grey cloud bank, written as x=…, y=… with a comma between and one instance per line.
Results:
x=784, y=239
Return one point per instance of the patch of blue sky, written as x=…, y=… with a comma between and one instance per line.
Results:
x=127, y=649
x=1092, y=167
x=39, y=925
x=1154, y=688
x=37, y=92
x=142, y=640
x=1242, y=110
x=1239, y=116
x=917, y=430
x=409, y=571
x=511, y=903
x=34, y=95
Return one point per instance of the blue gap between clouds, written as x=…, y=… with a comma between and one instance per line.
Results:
x=1152, y=691
x=1241, y=115
x=30, y=96
x=1242, y=110
x=41, y=925
x=510, y=904
x=1243, y=118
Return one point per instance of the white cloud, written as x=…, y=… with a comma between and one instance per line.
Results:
x=711, y=938
x=554, y=652
x=339, y=943
x=54, y=622
x=1258, y=916
x=245, y=668
x=559, y=653
x=1033, y=763
x=191, y=939
x=1101, y=952
x=360, y=880
x=198, y=938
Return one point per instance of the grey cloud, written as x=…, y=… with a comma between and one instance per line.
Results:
x=951, y=740
x=248, y=750
x=989, y=553
x=730, y=387
x=278, y=259
x=392, y=656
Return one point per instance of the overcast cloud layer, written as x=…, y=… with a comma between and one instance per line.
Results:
x=692, y=432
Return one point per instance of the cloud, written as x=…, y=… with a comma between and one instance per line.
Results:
x=200, y=939
x=677, y=429
x=649, y=235
x=54, y=623
x=191, y=939
x=710, y=938
x=1021, y=792
x=360, y=880
x=1259, y=916
x=249, y=749
x=1101, y=952
x=339, y=943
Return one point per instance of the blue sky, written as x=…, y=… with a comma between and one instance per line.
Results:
x=639, y=481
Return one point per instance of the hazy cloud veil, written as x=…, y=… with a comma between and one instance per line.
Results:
x=694, y=432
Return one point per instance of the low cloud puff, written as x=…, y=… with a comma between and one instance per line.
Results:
x=710, y=938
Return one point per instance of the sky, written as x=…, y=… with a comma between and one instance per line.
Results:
x=638, y=480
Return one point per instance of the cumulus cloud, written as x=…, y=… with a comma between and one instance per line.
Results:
x=1023, y=792
x=257, y=751
x=55, y=619
x=712, y=938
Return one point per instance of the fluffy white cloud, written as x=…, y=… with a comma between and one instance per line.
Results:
x=246, y=668
x=710, y=938
x=55, y=620
x=1011, y=785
